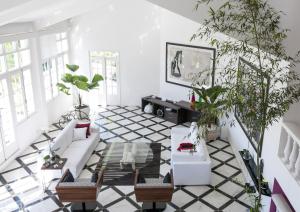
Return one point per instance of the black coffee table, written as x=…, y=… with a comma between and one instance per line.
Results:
x=115, y=173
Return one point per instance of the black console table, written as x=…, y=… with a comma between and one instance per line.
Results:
x=175, y=112
x=251, y=167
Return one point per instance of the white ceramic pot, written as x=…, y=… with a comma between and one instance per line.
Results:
x=213, y=133
x=83, y=111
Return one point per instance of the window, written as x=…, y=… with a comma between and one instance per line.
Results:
x=62, y=42
x=15, y=70
x=5, y=114
x=53, y=67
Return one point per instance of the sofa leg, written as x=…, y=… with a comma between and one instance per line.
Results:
x=84, y=206
x=154, y=206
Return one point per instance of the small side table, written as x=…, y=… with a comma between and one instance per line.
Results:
x=52, y=172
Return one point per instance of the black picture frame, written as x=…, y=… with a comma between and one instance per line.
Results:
x=247, y=73
x=212, y=60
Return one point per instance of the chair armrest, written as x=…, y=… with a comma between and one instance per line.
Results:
x=77, y=185
x=137, y=172
x=100, y=178
x=172, y=179
x=64, y=175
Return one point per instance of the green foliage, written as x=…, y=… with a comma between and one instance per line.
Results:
x=253, y=26
x=47, y=157
x=81, y=82
x=72, y=68
x=97, y=78
x=63, y=88
x=211, y=104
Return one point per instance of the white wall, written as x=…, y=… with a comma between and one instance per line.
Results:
x=291, y=21
x=130, y=28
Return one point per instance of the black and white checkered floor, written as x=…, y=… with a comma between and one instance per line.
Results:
x=20, y=187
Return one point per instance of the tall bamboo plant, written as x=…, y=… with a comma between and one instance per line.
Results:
x=254, y=34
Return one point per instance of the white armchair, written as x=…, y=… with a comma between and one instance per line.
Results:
x=189, y=168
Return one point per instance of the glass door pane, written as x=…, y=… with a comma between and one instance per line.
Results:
x=47, y=80
x=112, y=81
x=19, y=100
x=97, y=67
x=6, y=125
x=54, y=76
x=28, y=91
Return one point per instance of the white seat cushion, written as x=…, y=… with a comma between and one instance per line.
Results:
x=78, y=153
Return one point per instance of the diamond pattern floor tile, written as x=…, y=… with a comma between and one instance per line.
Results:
x=123, y=205
x=122, y=124
x=235, y=206
x=107, y=196
x=180, y=198
x=216, y=199
x=197, y=190
x=199, y=207
x=231, y=188
x=226, y=170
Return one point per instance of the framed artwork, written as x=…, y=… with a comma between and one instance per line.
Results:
x=185, y=62
x=247, y=112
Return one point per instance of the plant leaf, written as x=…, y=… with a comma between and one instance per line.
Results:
x=93, y=85
x=72, y=68
x=67, y=78
x=63, y=88
x=97, y=78
x=82, y=78
x=81, y=85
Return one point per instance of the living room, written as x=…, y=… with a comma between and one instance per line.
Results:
x=130, y=56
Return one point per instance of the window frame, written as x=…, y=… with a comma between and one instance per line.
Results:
x=59, y=39
x=52, y=87
x=8, y=74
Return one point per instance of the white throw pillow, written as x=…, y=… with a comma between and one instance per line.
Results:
x=193, y=132
x=79, y=134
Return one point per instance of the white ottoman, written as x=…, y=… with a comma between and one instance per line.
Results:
x=189, y=168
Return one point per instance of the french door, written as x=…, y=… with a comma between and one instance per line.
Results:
x=8, y=145
x=107, y=65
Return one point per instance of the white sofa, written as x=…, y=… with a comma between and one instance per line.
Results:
x=77, y=152
x=189, y=168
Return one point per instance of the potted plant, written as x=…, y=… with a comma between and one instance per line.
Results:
x=46, y=158
x=211, y=106
x=257, y=36
x=81, y=83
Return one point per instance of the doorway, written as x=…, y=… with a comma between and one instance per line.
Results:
x=106, y=63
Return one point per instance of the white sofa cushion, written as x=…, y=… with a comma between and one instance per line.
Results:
x=79, y=152
x=179, y=135
x=64, y=139
x=193, y=132
x=187, y=156
x=79, y=133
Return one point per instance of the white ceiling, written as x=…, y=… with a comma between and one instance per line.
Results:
x=290, y=20
x=48, y=12
x=186, y=8
x=45, y=12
